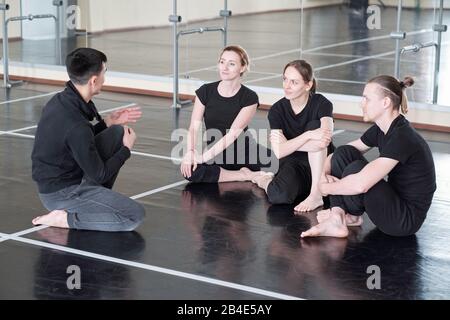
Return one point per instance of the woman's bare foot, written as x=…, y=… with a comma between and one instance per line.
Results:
x=334, y=226
x=312, y=202
x=249, y=175
x=263, y=181
x=56, y=218
x=350, y=220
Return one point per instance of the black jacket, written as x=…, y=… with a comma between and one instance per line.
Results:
x=64, y=149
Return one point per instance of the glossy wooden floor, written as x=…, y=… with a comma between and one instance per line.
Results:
x=202, y=241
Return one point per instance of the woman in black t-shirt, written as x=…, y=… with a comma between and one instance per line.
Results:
x=301, y=126
x=398, y=206
x=227, y=107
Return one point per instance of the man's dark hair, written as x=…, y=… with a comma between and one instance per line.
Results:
x=83, y=63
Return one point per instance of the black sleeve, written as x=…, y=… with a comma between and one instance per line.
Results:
x=370, y=137
x=202, y=94
x=99, y=127
x=325, y=108
x=275, y=119
x=249, y=98
x=80, y=141
x=399, y=147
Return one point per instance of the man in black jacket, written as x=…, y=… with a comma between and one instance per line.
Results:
x=76, y=163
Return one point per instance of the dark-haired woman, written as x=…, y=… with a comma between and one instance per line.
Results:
x=398, y=206
x=301, y=126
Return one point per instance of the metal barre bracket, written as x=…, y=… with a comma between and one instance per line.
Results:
x=174, y=18
x=440, y=27
x=400, y=35
x=225, y=13
x=4, y=7
x=57, y=3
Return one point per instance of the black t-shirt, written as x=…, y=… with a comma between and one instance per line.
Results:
x=281, y=116
x=220, y=112
x=413, y=178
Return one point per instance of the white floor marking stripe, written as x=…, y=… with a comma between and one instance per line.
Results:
x=155, y=156
x=35, y=126
x=336, y=132
x=16, y=134
x=171, y=272
x=31, y=230
x=30, y=98
x=173, y=185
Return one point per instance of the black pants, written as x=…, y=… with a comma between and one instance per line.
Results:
x=293, y=180
x=108, y=143
x=210, y=173
x=383, y=205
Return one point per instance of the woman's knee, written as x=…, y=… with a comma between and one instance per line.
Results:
x=277, y=195
x=205, y=173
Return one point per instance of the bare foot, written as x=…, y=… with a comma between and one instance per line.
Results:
x=249, y=175
x=246, y=173
x=334, y=226
x=350, y=220
x=263, y=181
x=309, y=204
x=56, y=218
x=353, y=221
x=323, y=215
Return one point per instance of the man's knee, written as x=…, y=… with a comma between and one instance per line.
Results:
x=135, y=217
x=116, y=131
x=354, y=167
x=345, y=152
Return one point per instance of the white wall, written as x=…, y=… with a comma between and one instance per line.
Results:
x=14, y=28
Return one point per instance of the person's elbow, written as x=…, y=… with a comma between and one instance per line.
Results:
x=362, y=186
x=277, y=152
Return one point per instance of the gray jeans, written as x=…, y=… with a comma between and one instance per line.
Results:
x=90, y=206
